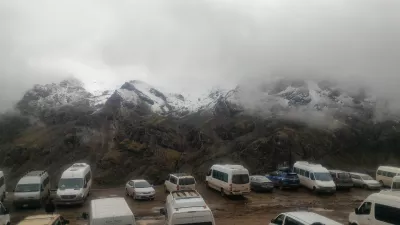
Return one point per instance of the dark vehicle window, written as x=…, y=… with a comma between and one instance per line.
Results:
x=307, y=174
x=312, y=176
x=343, y=175
x=240, y=179
x=323, y=176
x=279, y=220
x=1, y=181
x=27, y=188
x=291, y=175
x=290, y=221
x=365, y=209
x=142, y=184
x=186, y=181
x=173, y=180
x=70, y=183
x=387, y=214
x=220, y=175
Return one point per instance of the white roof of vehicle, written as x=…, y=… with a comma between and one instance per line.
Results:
x=29, y=180
x=185, y=199
x=77, y=170
x=311, y=166
x=229, y=167
x=1, y=173
x=109, y=207
x=391, y=198
x=389, y=168
x=311, y=217
x=359, y=174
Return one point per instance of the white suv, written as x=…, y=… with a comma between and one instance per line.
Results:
x=179, y=181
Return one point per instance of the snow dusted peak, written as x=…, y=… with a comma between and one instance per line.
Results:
x=42, y=97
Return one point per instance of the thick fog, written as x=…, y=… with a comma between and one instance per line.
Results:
x=194, y=45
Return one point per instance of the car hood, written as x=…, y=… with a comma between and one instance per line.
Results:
x=373, y=182
x=69, y=191
x=141, y=190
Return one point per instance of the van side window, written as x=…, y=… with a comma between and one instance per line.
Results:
x=220, y=175
x=387, y=214
x=1, y=181
x=88, y=177
x=365, y=209
x=312, y=176
x=291, y=221
x=307, y=174
x=379, y=172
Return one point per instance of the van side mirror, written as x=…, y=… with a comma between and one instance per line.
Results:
x=162, y=211
x=356, y=211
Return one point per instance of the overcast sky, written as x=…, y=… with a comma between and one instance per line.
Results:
x=196, y=44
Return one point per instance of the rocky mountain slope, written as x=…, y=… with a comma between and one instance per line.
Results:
x=140, y=131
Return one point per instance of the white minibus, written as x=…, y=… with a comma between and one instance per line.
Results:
x=395, y=184
x=32, y=189
x=314, y=177
x=187, y=207
x=385, y=174
x=381, y=208
x=229, y=179
x=74, y=185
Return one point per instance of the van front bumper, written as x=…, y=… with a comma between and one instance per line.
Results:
x=27, y=203
x=325, y=190
x=74, y=201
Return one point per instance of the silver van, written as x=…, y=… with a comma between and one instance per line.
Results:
x=32, y=189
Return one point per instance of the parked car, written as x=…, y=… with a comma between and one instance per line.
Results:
x=179, y=182
x=284, y=178
x=364, y=181
x=342, y=179
x=303, y=218
x=261, y=183
x=140, y=189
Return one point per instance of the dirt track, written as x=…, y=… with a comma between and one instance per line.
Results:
x=254, y=209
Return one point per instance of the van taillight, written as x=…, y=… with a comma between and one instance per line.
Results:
x=230, y=187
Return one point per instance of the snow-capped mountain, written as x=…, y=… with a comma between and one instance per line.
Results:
x=263, y=98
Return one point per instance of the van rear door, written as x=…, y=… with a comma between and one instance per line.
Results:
x=240, y=183
x=193, y=218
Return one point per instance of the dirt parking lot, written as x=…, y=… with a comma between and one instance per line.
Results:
x=254, y=209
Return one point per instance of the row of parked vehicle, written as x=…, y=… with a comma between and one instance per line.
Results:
x=184, y=203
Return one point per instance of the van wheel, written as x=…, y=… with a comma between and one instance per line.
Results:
x=222, y=192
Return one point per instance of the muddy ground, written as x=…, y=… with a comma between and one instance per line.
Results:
x=254, y=209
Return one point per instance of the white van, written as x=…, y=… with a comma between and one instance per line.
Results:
x=381, y=208
x=74, y=185
x=32, y=189
x=395, y=184
x=385, y=174
x=2, y=187
x=187, y=207
x=314, y=177
x=303, y=218
x=229, y=179
x=107, y=211
x=4, y=215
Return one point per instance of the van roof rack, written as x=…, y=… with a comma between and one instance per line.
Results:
x=35, y=173
x=79, y=165
x=184, y=194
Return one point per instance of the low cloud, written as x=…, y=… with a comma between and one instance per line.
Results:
x=193, y=45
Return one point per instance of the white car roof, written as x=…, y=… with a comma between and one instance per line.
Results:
x=139, y=181
x=311, y=217
x=29, y=180
x=359, y=174
x=110, y=207
x=77, y=170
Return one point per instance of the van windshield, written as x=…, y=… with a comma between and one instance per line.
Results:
x=70, y=183
x=323, y=176
x=186, y=181
x=240, y=178
x=396, y=186
x=27, y=188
